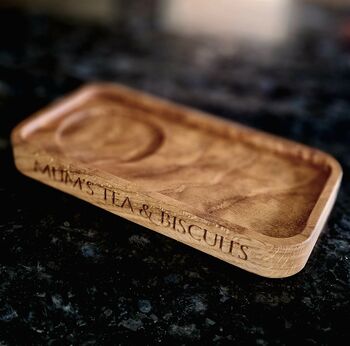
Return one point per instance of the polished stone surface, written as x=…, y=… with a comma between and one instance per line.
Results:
x=71, y=273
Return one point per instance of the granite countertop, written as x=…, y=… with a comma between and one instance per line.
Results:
x=71, y=273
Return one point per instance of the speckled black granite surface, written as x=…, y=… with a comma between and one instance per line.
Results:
x=71, y=274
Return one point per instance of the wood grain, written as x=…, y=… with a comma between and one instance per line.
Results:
x=252, y=199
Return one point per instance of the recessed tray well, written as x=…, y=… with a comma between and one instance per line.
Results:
x=249, y=198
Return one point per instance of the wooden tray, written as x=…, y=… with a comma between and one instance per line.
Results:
x=251, y=199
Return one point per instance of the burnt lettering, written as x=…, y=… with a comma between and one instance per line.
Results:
x=182, y=226
x=89, y=186
x=193, y=232
x=165, y=219
x=156, y=216
x=127, y=203
x=243, y=254
x=206, y=238
x=79, y=183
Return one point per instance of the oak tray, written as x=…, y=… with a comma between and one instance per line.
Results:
x=249, y=198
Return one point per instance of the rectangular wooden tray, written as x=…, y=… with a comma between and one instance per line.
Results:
x=249, y=198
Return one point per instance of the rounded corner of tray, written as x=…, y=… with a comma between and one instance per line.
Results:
x=16, y=135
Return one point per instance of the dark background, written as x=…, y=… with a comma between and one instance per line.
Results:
x=72, y=274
